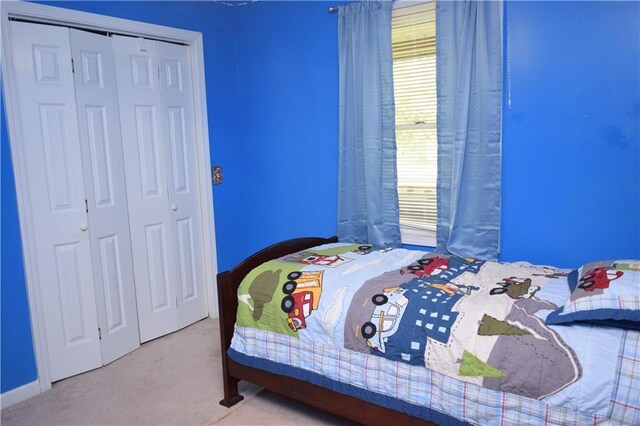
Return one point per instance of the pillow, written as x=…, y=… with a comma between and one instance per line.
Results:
x=605, y=292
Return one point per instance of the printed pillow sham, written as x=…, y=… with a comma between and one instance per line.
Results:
x=604, y=292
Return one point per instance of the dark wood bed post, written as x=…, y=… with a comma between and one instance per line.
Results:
x=227, y=308
x=228, y=283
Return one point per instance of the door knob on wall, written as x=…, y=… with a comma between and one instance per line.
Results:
x=83, y=227
x=174, y=207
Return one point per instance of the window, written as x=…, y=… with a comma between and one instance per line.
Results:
x=414, y=82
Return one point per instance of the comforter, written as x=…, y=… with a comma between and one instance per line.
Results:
x=441, y=337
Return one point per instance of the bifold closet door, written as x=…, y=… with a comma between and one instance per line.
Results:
x=145, y=164
x=41, y=58
x=99, y=126
x=108, y=149
x=158, y=127
x=179, y=128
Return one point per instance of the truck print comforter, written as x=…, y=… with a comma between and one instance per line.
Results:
x=407, y=324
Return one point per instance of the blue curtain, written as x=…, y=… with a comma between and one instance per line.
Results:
x=367, y=182
x=469, y=82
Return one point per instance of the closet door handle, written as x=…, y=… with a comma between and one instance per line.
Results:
x=83, y=227
x=174, y=207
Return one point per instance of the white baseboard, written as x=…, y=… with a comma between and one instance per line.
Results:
x=19, y=394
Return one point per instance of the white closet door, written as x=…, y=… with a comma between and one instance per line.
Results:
x=147, y=190
x=99, y=125
x=42, y=64
x=179, y=127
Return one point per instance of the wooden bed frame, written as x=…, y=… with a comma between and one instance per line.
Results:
x=343, y=405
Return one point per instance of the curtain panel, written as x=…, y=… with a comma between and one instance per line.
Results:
x=469, y=84
x=367, y=182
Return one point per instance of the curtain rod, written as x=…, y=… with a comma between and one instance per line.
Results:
x=396, y=4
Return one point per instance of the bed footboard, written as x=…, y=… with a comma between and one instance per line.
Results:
x=228, y=283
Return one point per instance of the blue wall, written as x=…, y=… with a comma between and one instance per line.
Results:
x=571, y=184
x=289, y=81
x=571, y=140
x=17, y=361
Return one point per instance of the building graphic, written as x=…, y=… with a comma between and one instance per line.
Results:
x=406, y=317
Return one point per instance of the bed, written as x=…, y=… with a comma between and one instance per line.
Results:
x=378, y=336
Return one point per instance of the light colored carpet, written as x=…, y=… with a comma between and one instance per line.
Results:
x=172, y=380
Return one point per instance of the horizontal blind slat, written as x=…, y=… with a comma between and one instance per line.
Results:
x=414, y=75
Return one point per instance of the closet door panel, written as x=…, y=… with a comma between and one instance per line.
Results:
x=156, y=243
x=179, y=126
x=42, y=64
x=147, y=143
x=101, y=147
x=147, y=187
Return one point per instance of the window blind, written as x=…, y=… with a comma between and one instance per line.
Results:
x=414, y=81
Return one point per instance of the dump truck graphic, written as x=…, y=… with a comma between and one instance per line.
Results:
x=626, y=265
x=310, y=258
x=302, y=295
x=429, y=266
x=363, y=249
x=599, y=278
x=516, y=288
x=442, y=269
x=323, y=260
